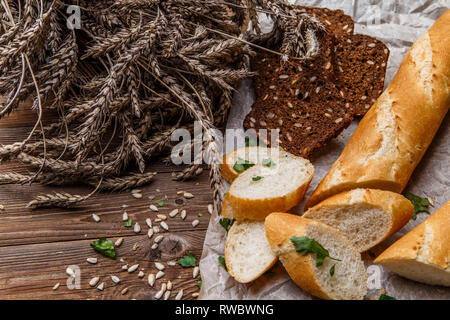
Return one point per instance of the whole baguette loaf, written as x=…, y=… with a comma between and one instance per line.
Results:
x=423, y=254
x=365, y=216
x=393, y=136
x=349, y=279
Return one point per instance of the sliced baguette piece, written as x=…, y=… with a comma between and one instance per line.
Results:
x=350, y=279
x=247, y=252
x=255, y=155
x=423, y=254
x=281, y=187
x=365, y=216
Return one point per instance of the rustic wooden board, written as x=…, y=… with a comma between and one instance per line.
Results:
x=37, y=246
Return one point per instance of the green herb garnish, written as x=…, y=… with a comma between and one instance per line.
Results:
x=306, y=245
x=257, y=178
x=187, y=261
x=241, y=165
x=128, y=223
x=199, y=214
x=226, y=223
x=199, y=284
x=386, y=297
x=420, y=204
x=222, y=263
x=160, y=203
x=268, y=163
x=105, y=247
x=250, y=142
x=332, y=270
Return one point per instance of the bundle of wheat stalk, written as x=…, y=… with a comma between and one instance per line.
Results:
x=133, y=73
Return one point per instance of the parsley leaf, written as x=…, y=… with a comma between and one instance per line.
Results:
x=226, y=223
x=332, y=270
x=420, y=204
x=199, y=214
x=128, y=223
x=268, y=163
x=306, y=245
x=386, y=297
x=241, y=165
x=257, y=178
x=187, y=261
x=251, y=142
x=160, y=203
x=105, y=247
x=222, y=263
x=199, y=284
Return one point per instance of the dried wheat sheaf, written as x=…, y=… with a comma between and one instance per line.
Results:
x=135, y=71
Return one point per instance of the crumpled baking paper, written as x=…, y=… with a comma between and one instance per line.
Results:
x=398, y=23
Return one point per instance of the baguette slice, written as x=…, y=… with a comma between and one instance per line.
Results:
x=423, y=254
x=247, y=252
x=350, y=279
x=365, y=216
x=255, y=155
x=281, y=187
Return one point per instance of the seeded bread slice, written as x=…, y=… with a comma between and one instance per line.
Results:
x=349, y=280
x=247, y=252
x=261, y=190
x=365, y=216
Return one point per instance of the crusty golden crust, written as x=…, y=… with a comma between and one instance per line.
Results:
x=398, y=207
x=391, y=139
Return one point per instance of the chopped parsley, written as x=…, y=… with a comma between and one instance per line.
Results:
x=268, y=163
x=187, y=261
x=257, y=178
x=105, y=247
x=241, y=165
x=306, y=245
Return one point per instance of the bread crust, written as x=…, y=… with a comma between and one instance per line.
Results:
x=399, y=208
x=389, y=142
x=428, y=243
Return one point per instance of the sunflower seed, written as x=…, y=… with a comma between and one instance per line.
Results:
x=148, y=221
x=137, y=195
x=56, y=286
x=153, y=208
x=70, y=272
x=121, y=260
x=133, y=268
x=94, y=281
x=115, y=279
x=159, y=275
x=158, y=190
x=156, y=229
x=283, y=76
x=371, y=45
x=179, y=295
x=151, y=279
x=125, y=206
x=150, y=233
x=137, y=228
x=188, y=195
x=195, y=223
x=95, y=217
x=2, y=207
x=141, y=274
x=124, y=216
x=162, y=216
x=183, y=214
x=154, y=246
x=159, y=266
x=157, y=220
x=173, y=213
x=125, y=267
x=195, y=295
x=164, y=226
x=151, y=197
x=124, y=291
x=195, y=272
x=101, y=286
x=136, y=191
x=135, y=246
x=161, y=291
x=92, y=260
x=169, y=285
x=314, y=78
x=210, y=208
x=167, y=295
x=171, y=263
x=370, y=62
x=338, y=120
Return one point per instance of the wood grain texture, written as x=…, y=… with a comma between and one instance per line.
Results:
x=37, y=246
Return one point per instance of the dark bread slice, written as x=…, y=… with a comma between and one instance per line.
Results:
x=335, y=21
x=361, y=63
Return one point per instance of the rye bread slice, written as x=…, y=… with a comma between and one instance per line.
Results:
x=335, y=21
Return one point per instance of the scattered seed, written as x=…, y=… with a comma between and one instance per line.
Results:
x=161, y=292
x=137, y=228
x=56, y=286
x=179, y=295
x=195, y=223
x=371, y=45
x=167, y=295
x=141, y=274
x=92, y=260
x=164, y=226
x=183, y=214
x=135, y=246
x=283, y=76
x=171, y=263
x=272, y=87
x=339, y=120
x=2, y=207
x=159, y=275
x=195, y=272
x=148, y=221
x=159, y=266
x=328, y=65
x=153, y=208
x=188, y=195
x=124, y=216
x=298, y=125
x=169, y=285
x=314, y=78
x=70, y=272
x=115, y=279
x=370, y=62
x=263, y=123
x=156, y=229
x=195, y=295
x=157, y=220
x=151, y=197
x=151, y=279
x=150, y=233
x=137, y=195
x=173, y=213
x=327, y=115
x=101, y=286
x=210, y=208
x=317, y=89
x=124, y=291
x=158, y=190
x=162, y=216
x=93, y=282
x=133, y=268
x=125, y=267
x=118, y=242
x=158, y=239
x=154, y=246
x=95, y=217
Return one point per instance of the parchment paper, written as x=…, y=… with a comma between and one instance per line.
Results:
x=398, y=23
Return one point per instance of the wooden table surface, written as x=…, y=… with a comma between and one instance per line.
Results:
x=37, y=246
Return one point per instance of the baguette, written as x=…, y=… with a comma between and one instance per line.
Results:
x=393, y=136
x=365, y=216
x=247, y=252
x=423, y=254
x=280, y=187
x=349, y=281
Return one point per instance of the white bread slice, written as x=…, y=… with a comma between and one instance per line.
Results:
x=423, y=254
x=281, y=188
x=255, y=155
x=350, y=279
x=247, y=252
x=365, y=216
